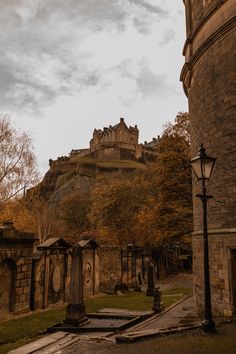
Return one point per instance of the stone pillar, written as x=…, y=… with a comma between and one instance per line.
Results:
x=46, y=279
x=75, y=311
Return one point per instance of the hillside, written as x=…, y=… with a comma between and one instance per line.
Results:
x=71, y=173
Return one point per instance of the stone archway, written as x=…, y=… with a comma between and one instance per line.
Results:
x=7, y=283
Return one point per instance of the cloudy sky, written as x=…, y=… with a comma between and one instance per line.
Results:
x=69, y=66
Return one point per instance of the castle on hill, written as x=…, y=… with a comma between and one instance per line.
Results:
x=118, y=142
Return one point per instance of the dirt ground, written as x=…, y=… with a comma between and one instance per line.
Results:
x=194, y=342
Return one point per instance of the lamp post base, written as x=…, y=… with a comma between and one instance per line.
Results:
x=208, y=326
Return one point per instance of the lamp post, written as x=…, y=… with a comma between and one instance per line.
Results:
x=202, y=166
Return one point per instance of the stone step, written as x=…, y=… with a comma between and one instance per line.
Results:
x=39, y=343
x=59, y=344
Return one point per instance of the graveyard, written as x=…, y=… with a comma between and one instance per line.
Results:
x=123, y=246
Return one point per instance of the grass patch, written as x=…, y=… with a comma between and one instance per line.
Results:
x=19, y=331
x=85, y=159
x=109, y=163
x=121, y=164
x=173, y=295
x=131, y=301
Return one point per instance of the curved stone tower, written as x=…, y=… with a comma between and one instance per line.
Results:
x=209, y=79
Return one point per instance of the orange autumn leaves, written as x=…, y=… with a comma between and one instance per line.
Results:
x=154, y=207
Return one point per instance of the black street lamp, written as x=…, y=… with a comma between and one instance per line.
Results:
x=202, y=166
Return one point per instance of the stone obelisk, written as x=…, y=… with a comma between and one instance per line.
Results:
x=75, y=311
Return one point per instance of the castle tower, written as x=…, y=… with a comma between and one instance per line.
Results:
x=209, y=79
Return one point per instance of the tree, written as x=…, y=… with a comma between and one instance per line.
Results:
x=115, y=204
x=17, y=161
x=173, y=173
x=73, y=212
x=154, y=208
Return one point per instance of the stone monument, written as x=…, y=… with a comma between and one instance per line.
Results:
x=158, y=305
x=150, y=288
x=75, y=311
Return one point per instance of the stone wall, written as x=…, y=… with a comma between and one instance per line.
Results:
x=37, y=276
x=50, y=273
x=90, y=272
x=209, y=77
x=110, y=273
x=16, y=250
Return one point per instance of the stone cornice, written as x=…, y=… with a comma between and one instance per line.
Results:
x=231, y=230
x=210, y=13
x=222, y=31
x=185, y=75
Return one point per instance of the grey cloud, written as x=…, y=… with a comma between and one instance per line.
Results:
x=149, y=84
x=168, y=36
x=38, y=38
x=149, y=7
x=96, y=15
x=147, y=15
x=35, y=33
x=142, y=25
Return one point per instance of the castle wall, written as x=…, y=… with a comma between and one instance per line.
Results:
x=109, y=153
x=209, y=78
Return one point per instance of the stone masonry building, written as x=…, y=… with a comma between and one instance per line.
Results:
x=209, y=79
x=119, y=142
x=116, y=142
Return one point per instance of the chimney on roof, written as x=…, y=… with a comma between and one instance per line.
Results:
x=136, y=126
x=121, y=120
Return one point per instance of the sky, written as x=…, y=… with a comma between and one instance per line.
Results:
x=68, y=67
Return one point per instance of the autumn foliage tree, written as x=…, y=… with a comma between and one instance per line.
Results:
x=116, y=201
x=17, y=161
x=72, y=213
x=173, y=174
x=152, y=208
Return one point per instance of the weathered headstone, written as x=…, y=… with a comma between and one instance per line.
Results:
x=158, y=305
x=75, y=311
x=150, y=288
x=140, y=278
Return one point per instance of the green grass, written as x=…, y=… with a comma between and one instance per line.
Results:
x=19, y=331
x=174, y=295
x=109, y=163
x=121, y=164
x=16, y=332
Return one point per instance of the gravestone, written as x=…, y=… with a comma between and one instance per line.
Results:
x=150, y=288
x=75, y=311
x=158, y=305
